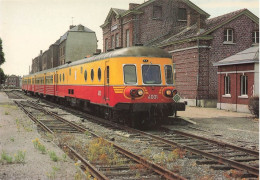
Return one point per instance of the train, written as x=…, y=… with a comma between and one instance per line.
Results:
x=133, y=85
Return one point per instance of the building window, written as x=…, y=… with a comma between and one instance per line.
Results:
x=255, y=37
x=127, y=38
x=117, y=40
x=182, y=14
x=157, y=12
x=227, y=84
x=243, y=84
x=112, y=42
x=228, y=35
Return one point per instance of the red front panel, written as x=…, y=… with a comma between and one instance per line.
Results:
x=113, y=95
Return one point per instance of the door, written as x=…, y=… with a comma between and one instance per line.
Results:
x=106, y=84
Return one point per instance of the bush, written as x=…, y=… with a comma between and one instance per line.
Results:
x=254, y=106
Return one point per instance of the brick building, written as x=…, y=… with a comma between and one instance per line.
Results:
x=142, y=23
x=75, y=44
x=185, y=31
x=238, y=80
x=13, y=81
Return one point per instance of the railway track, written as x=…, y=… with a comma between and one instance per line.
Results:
x=218, y=155
x=130, y=163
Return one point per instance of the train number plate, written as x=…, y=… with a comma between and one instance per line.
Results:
x=153, y=96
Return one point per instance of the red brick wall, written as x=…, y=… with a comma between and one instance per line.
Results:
x=243, y=27
x=235, y=89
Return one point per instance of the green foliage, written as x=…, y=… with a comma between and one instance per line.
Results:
x=6, y=158
x=20, y=157
x=2, y=76
x=2, y=55
x=52, y=174
x=53, y=156
x=39, y=146
x=254, y=106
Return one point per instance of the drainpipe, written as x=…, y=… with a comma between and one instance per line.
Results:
x=198, y=44
x=236, y=88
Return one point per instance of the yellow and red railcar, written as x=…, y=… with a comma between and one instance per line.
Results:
x=135, y=84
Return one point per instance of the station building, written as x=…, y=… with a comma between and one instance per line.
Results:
x=238, y=80
x=185, y=31
x=77, y=43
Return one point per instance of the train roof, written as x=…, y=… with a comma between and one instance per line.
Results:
x=134, y=51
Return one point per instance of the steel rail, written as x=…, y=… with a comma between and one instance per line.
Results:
x=33, y=118
x=249, y=151
x=156, y=168
x=221, y=160
x=94, y=172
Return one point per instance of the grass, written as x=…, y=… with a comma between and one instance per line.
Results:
x=7, y=113
x=39, y=146
x=6, y=158
x=18, y=157
x=52, y=174
x=101, y=151
x=53, y=156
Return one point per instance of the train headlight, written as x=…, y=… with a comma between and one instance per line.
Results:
x=168, y=92
x=140, y=92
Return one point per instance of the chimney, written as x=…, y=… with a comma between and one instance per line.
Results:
x=201, y=23
x=132, y=5
x=72, y=26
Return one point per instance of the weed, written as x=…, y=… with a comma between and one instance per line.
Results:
x=12, y=139
x=17, y=124
x=64, y=157
x=87, y=133
x=52, y=174
x=7, y=113
x=102, y=151
x=39, y=146
x=53, y=156
x=20, y=157
x=6, y=158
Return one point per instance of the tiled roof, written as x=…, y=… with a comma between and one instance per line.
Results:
x=192, y=32
x=119, y=11
x=250, y=55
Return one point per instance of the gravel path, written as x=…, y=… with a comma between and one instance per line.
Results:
x=16, y=135
x=234, y=127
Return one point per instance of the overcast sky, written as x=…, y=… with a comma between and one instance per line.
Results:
x=28, y=26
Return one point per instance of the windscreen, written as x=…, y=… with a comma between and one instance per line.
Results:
x=151, y=74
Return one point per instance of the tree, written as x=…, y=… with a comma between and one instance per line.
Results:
x=2, y=55
x=2, y=76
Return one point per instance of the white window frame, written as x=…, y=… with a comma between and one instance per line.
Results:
x=227, y=85
x=227, y=35
x=243, y=86
x=254, y=37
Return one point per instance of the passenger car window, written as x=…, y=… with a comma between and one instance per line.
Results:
x=99, y=74
x=168, y=74
x=151, y=74
x=85, y=75
x=92, y=74
x=130, y=74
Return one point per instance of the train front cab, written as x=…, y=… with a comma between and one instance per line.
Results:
x=144, y=87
